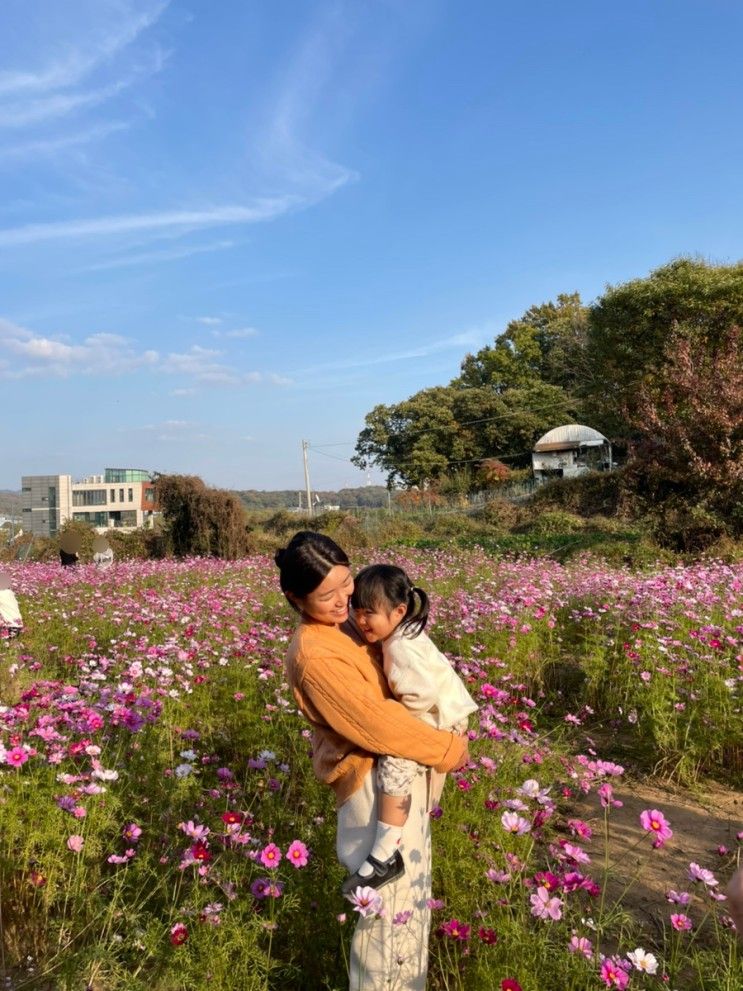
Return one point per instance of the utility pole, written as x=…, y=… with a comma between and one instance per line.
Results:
x=305, y=446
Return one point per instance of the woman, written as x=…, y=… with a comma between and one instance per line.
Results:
x=340, y=687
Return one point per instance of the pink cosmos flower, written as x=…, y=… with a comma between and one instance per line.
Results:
x=132, y=832
x=455, y=930
x=580, y=944
x=75, y=843
x=297, y=854
x=16, y=757
x=681, y=922
x=366, y=901
x=514, y=823
x=606, y=794
x=270, y=855
x=545, y=907
x=612, y=973
x=697, y=873
x=656, y=823
x=678, y=897
x=402, y=918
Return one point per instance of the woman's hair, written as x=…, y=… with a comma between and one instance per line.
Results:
x=388, y=586
x=305, y=562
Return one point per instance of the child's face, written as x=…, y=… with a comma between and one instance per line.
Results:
x=380, y=622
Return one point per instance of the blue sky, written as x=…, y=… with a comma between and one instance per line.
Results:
x=226, y=227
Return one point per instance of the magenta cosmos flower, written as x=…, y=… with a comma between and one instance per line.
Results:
x=509, y=984
x=270, y=855
x=681, y=922
x=297, y=854
x=657, y=824
x=613, y=975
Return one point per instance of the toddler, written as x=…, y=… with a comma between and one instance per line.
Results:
x=11, y=623
x=390, y=610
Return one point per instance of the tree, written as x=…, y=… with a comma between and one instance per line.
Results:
x=200, y=520
x=546, y=344
x=686, y=463
x=446, y=429
x=630, y=326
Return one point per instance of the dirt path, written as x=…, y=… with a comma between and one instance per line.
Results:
x=701, y=824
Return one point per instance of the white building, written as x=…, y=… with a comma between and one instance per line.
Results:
x=570, y=450
x=121, y=498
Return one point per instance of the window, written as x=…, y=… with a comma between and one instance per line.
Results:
x=26, y=488
x=89, y=497
x=131, y=495
x=121, y=495
x=148, y=494
x=113, y=495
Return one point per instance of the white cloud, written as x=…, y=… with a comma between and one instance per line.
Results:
x=262, y=209
x=29, y=97
x=77, y=64
x=468, y=338
x=98, y=354
x=209, y=321
x=51, y=146
x=155, y=257
x=240, y=333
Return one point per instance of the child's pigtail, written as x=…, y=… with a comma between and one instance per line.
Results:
x=417, y=615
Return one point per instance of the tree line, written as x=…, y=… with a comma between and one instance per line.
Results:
x=653, y=363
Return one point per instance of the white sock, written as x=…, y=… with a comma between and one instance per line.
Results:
x=386, y=842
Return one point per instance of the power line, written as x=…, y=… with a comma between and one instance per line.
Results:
x=467, y=423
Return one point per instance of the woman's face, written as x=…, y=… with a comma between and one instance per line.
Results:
x=329, y=602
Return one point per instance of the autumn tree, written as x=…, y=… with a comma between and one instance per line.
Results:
x=686, y=461
x=200, y=520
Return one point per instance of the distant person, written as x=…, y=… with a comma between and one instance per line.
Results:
x=103, y=555
x=68, y=558
x=11, y=623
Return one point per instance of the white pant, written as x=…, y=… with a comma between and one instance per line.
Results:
x=389, y=956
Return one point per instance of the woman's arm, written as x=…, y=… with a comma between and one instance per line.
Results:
x=357, y=710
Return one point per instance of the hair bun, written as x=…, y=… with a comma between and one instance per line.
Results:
x=279, y=556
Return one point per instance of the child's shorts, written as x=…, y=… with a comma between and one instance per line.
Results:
x=395, y=775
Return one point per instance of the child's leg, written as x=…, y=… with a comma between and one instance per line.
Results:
x=394, y=779
x=384, y=863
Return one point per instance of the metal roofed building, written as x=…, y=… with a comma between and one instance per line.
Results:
x=570, y=450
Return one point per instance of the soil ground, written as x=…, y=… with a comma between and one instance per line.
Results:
x=701, y=822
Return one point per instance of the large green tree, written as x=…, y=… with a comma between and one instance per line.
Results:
x=441, y=431
x=547, y=344
x=631, y=325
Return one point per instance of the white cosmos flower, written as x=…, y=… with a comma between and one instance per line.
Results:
x=643, y=961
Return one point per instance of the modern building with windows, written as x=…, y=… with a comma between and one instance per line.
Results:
x=121, y=498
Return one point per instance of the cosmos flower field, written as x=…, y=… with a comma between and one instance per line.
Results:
x=160, y=827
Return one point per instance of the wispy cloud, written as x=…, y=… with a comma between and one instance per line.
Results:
x=283, y=146
x=209, y=321
x=239, y=333
x=75, y=65
x=155, y=257
x=468, y=338
x=184, y=220
x=98, y=354
x=31, y=97
x=51, y=146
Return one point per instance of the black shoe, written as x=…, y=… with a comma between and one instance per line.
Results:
x=384, y=872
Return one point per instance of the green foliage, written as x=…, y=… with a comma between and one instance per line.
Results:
x=439, y=431
x=547, y=344
x=630, y=325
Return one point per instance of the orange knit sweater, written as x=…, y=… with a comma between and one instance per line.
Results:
x=340, y=687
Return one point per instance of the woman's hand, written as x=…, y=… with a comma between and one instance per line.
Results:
x=465, y=757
